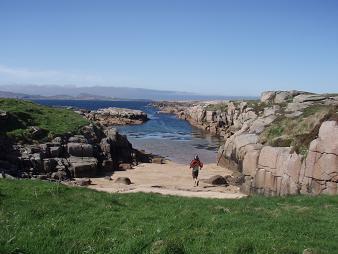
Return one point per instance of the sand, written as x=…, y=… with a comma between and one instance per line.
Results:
x=168, y=179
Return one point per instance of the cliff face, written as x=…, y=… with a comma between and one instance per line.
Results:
x=286, y=143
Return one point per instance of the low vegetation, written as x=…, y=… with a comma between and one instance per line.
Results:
x=298, y=132
x=223, y=107
x=257, y=106
x=42, y=217
x=22, y=115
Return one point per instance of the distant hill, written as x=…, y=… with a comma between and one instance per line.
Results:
x=103, y=93
x=82, y=96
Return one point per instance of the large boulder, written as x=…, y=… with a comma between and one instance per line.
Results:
x=260, y=123
x=80, y=149
x=78, y=139
x=308, y=97
x=282, y=96
x=83, y=167
x=297, y=106
x=271, y=110
x=196, y=113
x=92, y=133
x=268, y=96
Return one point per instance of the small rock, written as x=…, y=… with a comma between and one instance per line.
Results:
x=57, y=140
x=157, y=160
x=23, y=175
x=7, y=176
x=83, y=182
x=308, y=251
x=40, y=177
x=216, y=180
x=107, y=178
x=59, y=175
x=236, y=178
x=123, y=180
x=125, y=166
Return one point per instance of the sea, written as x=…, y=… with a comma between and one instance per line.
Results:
x=164, y=134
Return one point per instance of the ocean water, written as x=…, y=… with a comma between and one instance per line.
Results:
x=163, y=134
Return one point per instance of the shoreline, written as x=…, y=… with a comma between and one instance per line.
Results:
x=170, y=178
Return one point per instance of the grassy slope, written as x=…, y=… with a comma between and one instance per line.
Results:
x=25, y=113
x=40, y=217
x=300, y=131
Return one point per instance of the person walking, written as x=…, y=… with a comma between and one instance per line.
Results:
x=196, y=166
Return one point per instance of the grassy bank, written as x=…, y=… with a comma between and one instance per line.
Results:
x=299, y=131
x=24, y=114
x=40, y=217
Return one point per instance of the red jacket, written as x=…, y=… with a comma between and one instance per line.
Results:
x=195, y=163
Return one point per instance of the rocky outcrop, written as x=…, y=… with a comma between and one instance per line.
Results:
x=94, y=152
x=319, y=171
x=115, y=116
x=259, y=144
x=279, y=171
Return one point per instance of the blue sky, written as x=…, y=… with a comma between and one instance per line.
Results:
x=209, y=47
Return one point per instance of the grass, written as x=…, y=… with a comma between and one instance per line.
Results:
x=257, y=105
x=222, y=107
x=299, y=131
x=52, y=121
x=42, y=217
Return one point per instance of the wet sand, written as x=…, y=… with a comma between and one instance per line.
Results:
x=168, y=179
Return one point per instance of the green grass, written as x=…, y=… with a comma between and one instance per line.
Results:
x=41, y=217
x=223, y=107
x=257, y=105
x=53, y=121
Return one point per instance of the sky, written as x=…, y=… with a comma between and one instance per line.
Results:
x=209, y=47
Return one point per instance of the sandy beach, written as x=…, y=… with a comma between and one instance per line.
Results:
x=168, y=179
